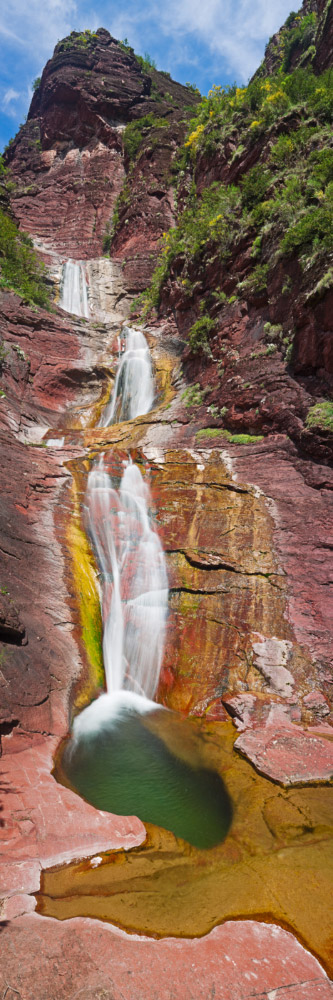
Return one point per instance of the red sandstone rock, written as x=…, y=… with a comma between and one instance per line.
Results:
x=288, y=755
x=90, y=961
x=72, y=143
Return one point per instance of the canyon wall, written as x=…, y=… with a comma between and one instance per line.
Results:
x=243, y=504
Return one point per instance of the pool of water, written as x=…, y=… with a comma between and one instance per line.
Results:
x=126, y=756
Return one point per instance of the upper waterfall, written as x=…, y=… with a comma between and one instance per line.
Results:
x=74, y=295
x=133, y=391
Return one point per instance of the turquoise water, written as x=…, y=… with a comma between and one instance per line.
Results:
x=122, y=767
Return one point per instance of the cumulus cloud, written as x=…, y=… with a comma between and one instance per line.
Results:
x=235, y=31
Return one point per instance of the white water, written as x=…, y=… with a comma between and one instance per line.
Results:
x=74, y=296
x=133, y=391
x=108, y=709
x=133, y=578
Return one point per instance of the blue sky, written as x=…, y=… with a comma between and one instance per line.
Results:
x=201, y=41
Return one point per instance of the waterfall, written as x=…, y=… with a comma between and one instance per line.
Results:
x=130, y=556
x=74, y=296
x=124, y=753
x=133, y=392
x=134, y=579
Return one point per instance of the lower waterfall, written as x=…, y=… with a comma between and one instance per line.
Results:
x=74, y=295
x=119, y=755
x=133, y=579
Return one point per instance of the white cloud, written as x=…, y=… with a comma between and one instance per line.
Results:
x=9, y=96
x=236, y=31
x=37, y=25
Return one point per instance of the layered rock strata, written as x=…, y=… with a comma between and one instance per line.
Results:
x=246, y=534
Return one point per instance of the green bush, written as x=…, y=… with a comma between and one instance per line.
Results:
x=19, y=267
x=256, y=281
x=194, y=395
x=254, y=186
x=301, y=35
x=135, y=132
x=146, y=62
x=198, y=335
x=313, y=229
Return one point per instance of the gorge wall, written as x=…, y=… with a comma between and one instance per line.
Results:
x=241, y=480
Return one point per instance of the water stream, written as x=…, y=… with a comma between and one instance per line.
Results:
x=120, y=755
x=74, y=295
x=133, y=393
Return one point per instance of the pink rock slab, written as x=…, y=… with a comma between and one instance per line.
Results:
x=82, y=959
x=43, y=823
x=287, y=754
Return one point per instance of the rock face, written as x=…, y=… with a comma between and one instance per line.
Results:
x=246, y=528
x=68, y=163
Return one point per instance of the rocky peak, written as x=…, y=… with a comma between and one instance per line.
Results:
x=73, y=141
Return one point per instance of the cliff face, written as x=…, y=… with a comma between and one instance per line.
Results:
x=67, y=161
x=247, y=273
x=114, y=155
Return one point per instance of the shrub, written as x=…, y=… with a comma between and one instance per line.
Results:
x=194, y=395
x=301, y=35
x=315, y=228
x=36, y=83
x=254, y=186
x=135, y=131
x=257, y=279
x=19, y=267
x=146, y=62
x=198, y=335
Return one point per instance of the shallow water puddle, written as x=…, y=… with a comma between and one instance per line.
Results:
x=275, y=863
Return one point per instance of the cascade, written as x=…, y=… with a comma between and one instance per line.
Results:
x=115, y=756
x=129, y=553
x=134, y=579
x=74, y=295
x=133, y=392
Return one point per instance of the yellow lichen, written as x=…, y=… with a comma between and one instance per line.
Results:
x=85, y=584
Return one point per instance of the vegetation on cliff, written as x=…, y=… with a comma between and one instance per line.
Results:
x=19, y=268
x=281, y=203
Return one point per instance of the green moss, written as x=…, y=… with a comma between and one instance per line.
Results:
x=321, y=416
x=212, y=432
x=245, y=438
